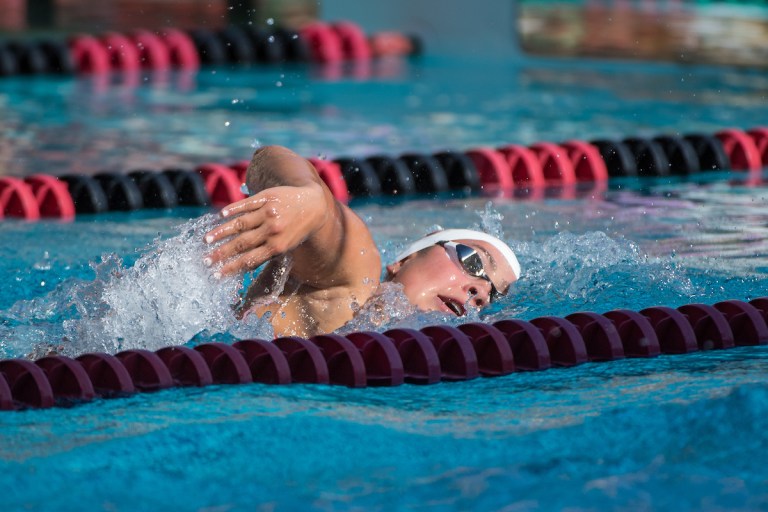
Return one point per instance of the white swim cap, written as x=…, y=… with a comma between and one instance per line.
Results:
x=451, y=235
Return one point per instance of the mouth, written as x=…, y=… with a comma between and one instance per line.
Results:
x=455, y=307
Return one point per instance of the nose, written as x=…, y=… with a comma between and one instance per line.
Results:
x=478, y=292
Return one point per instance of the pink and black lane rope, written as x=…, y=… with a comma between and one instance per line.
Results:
x=116, y=52
x=509, y=169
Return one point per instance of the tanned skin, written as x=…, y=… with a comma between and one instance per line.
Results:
x=334, y=262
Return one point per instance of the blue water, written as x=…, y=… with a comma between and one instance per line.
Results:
x=669, y=433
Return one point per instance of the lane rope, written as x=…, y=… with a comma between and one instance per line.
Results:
x=428, y=355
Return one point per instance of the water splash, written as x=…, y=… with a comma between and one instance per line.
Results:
x=167, y=297
x=490, y=221
x=389, y=308
x=593, y=271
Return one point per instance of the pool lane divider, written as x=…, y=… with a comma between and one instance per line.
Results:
x=318, y=42
x=540, y=170
x=425, y=356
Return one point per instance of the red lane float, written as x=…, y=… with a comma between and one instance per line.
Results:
x=383, y=364
x=345, y=363
x=494, y=355
x=638, y=338
x=330, y=173
x=555, y=163
x=108, y=375
x=710, y=326
x=147, y=370
x=17, y=199
x=305, y=360
x=565, y=344
x=123, y=54
x=748, y=324
x=524, y=166
x=527, y=343
x=227, y=364
x=52, y=196
x=458, y=359
x=153, y=52
x=6, y=397
x=760, y=138
x=588, y=164
x=181, y=49
x=761, y=304
x=601, y=338
x=221, y=183
x=741, y=150
x=324, y=43
x=89, y=55
x=492, y=167
x=188, y=367
x=68, y=379
x=675, y=334
x=354, y=43
x=420, y=362
x=267, y=362
x=28, y=384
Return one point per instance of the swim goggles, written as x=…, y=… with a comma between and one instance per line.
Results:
x=470, y=261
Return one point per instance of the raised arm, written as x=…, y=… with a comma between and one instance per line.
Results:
x=293, y=212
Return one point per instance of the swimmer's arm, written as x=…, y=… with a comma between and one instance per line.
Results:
x=294, y=212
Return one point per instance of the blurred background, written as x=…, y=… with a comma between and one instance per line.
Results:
x=733, y=32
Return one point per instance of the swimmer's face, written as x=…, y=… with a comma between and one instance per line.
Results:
x=434, y=281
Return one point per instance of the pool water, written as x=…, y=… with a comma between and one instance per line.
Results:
x=668, y=433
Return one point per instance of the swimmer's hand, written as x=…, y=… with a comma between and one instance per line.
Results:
x=273, y=222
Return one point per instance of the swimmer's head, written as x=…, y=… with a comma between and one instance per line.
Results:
x=448, y=269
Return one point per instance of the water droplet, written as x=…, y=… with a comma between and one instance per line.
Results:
x=271, y=39
x=255, y=144
x=279, y=83
x=270, y=21
x=226, y=123
x=235, y=101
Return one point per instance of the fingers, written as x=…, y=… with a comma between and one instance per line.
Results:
x=244, y=205
x=245, y=262
x=243, y=243
x=239, y=224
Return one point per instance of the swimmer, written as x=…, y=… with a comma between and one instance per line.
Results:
x=334, y=262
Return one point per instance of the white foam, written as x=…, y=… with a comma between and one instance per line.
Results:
x=168, y=297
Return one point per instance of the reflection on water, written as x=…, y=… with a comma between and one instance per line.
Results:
x=86, y=125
